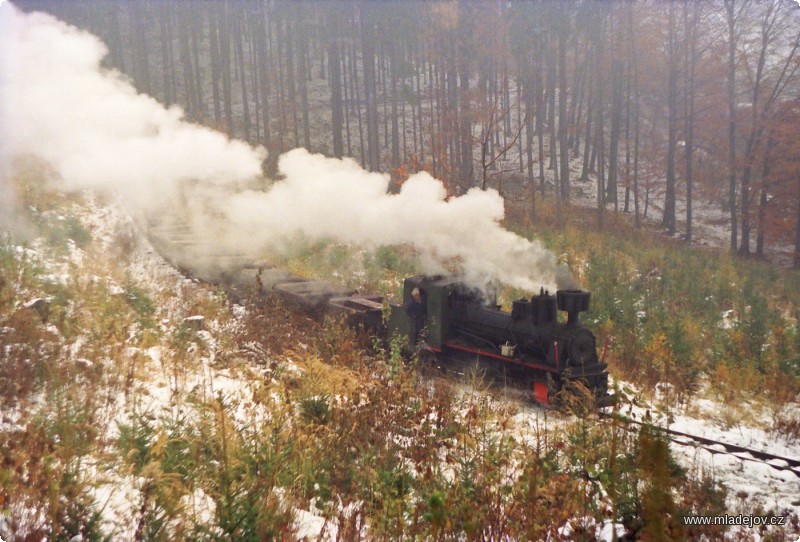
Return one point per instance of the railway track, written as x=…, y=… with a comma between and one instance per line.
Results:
x=511, y=390
x=743, y=453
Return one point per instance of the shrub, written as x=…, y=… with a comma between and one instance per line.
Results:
x=44, y=485
x=315, y=410
x=141, y=303
x=60, y=230
x=658, y=472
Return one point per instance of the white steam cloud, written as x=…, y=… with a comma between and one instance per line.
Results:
x=331, y=198
x=97, y=132
x=91, y=125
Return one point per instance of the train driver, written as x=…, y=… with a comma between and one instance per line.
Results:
x=415, y=308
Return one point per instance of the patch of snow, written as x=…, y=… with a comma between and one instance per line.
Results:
x=728, y=319
x=778, y=490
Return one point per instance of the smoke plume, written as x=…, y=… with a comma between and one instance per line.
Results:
x=330, y=198
x=88, y=122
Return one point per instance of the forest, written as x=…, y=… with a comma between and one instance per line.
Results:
x=668, y=102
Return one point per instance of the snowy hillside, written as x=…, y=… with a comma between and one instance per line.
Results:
x=147, y=365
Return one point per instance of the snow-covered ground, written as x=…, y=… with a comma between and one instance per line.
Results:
x=750, y=483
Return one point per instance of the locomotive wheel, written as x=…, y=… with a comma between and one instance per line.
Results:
x=582, y=347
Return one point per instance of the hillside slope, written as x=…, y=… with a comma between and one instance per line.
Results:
x=140, y=404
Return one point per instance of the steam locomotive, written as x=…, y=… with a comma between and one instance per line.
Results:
x=461, y=324
x=528, y=342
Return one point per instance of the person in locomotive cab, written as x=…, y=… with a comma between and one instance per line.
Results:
x=415, y=308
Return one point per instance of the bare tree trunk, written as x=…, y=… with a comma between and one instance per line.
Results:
x=251, y=25
x=797, y=227
x=115, y=41
x=577, y=102
x=764, y=199
x=165, y=22
x=190, y=83
x=289, y=35
x=225, y=66
x=552, y=58
x=301, y=34
x=354, y=92
x=466, y=127
x=628, y=86
x=239, y=44
x=529, y=90
x=691, y=62
x=141, y=59
x=393, y=60
x=519, y=119
x=731, y=23
x=216, y=61
x=668, y=220
x=599, y=144
x=587, y=138
x=370, y=91
x=563, y=127
x=615, y=133
x=540, y=112
x=335, y=82
x=263, y=65
x=348, y=99
x=636, y=123
x=418, y=95
x=601, y=162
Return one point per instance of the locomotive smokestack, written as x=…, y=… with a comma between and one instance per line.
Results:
x=573, y=302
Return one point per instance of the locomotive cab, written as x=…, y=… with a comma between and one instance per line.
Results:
x=438, y=293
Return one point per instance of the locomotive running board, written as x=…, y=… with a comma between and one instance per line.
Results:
x=500, y=357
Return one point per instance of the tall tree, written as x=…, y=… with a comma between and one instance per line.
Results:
x=668, y=220
x=797, y=226
x=731, y=18
x=224, y=38
x=690, y=15
x=263, y=64
x=563, y=122
x=139, y=23
x=335, y=79
x=168, y=68
x=768, y=85
x=301, y=36
x=366, y=18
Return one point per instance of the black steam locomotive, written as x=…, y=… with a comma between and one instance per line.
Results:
x=528, y=341
x=461, y=324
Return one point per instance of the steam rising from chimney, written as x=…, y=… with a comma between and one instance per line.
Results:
x=97, y=132
x=331, y=198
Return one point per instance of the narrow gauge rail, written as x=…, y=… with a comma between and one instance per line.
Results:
x=773, y=461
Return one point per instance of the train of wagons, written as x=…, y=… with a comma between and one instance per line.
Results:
x=528, y=342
